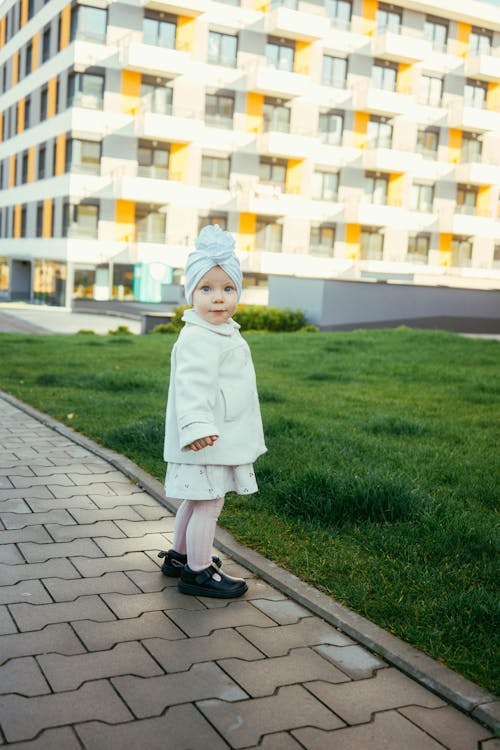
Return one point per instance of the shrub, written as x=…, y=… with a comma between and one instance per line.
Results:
x=257, y=317
x=165, y=328
x=120, y=331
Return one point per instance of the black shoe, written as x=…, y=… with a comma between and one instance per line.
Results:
x=210, y=582
x=175, y=562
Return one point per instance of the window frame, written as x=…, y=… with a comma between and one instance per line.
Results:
x=220, y=38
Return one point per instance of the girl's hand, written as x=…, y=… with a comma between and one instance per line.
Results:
x=203, y=442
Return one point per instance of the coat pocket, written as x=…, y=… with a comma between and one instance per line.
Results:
x=233, y=400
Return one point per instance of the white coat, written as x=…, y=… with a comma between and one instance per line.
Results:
x=212, y=391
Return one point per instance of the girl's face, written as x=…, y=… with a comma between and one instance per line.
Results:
x=215, y=297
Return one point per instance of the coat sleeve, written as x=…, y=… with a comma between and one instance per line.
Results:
x=196, y=387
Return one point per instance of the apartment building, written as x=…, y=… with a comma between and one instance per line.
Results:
x=334, y=138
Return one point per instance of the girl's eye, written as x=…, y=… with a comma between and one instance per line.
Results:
x=228, y=289
x=205, y=288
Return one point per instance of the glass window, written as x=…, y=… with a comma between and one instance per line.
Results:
x=24, y=168
x=268, y=235
x=83, y=156
x=371, y=244
x=325, y=186
x=150, y=225
x=330, y=125
x=46, y=44
x=215, y=172
x=44, y=100
x=466, y=199
x=219, y=110
x=461, y=251
x=379, y=133
x=431, y=89
x=388, y=19
x=27, y=112
x=384, y=76
x=28, y=60
x=471, y=147
x=427, y=143
x=273, y=172
x=339, y=12
x=475, y=94
x=80, y=220
x=42, y=151
x=375, y=188
x=49, y=282
x=159, y=33
x=24, y=217
x=153, y=161
x=85, y=90
x=156, y=97
x=334, y=71
x=418, y=248
x=222, y=49
x=322, y=241
x=88, y=23
x=280, y=55
x=480, y=42
x=220, y=219
x=276, y=115
x=436, y=31
x=496, y=256
x=39, y=219
x=4, y=274
x=422, y=197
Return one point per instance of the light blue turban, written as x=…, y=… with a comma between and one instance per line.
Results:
x=214, y=247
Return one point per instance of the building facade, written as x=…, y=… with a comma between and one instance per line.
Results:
x=334, y=138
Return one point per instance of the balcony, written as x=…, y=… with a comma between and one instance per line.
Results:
x=377, y=215
x=381, y=101
x=389, y=160
x=401, y=47
x=146, y=58
x=477, y=173
x=483, y=67
x=191, y=8
x=293, y=24
x=482, y=226
x=285, y=145
x=263, y=79
x=146, y=189
x=473, y=118
x=180, y=128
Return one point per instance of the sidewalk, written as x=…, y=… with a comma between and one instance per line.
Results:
x=99, y=650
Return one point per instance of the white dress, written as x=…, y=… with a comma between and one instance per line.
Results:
x=208, y=481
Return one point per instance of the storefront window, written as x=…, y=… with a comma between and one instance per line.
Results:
x=49, y=282
x=4, y=276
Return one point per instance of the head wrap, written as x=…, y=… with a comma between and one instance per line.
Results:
x=214, y=247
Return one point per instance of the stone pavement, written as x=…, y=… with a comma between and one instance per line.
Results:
x=99, y=650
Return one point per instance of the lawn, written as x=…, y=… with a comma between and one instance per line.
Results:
x=380, y=486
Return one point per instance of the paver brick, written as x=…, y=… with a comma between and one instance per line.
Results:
x=493, y=744
x=28, y=494
x=64, y=591
x=355, y=661
x=103, y=635
x=99, y=488
x=42, y=552
x=10, y=574
x=123, y=498
x=155, y=512
x=27, y=534
x=277, y=641
x=72, y=467
x=135, y=544
x=129, y=561
x=112, y=475
x=22, y=718
x=70, y=672
x=19, y=470
x=14, y=505
x=31, y=591
x=62, y=738
x=151, y=697
x=89, y=531
x=10, y=554
x=22, y=676
x=5, y=483
x=219, y=645
x=87, y=515
x=58, y=638
x=150, y=581
x=18, y=520
x=39, y=505
x=141, y=528
x=36, y=616
x=447, y=725
x=283, y=611
x=132, y=605
x=231, y=616
x=181, y=727
x=355, y=702
x=388, y=731
x=279, y=741
x=33, y=481
x=301, y=665
x=243, y=723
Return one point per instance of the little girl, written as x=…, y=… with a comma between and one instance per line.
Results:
x=213, y=430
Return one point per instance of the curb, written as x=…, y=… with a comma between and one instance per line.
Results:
x=444, y=682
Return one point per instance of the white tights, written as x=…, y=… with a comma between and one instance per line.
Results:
x=194, y=530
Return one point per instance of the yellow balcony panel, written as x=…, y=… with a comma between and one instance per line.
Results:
x=293, y=24
x=483, y=67
x=191, y=8
x=401, y=48
x=287, y=145
x=382, y=102
x=146, y=58
x=281, y=83
x=478, y=173
x=168, y=127
x=389, y=160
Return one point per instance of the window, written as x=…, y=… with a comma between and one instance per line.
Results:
x=220, y=219
x=153, y=161
x=85, y=90
x=31, y=9
x=80, y=220
x=379, y=133
x=371, y=244
x=461, y=251
x=88, y=23
x=222, y=49
x=150, y=225
x=384, y=76
x=334, y=71
x=268, y=235
x=27, y=112
x=471, y=147
x=24, y=168
x=325, y=186
x=339, y=12
x=480, y=42
x=375, y=188
x=273, y=172
x=418, y=248
x=39, y=219
x=431, y=90
x=322, y=241
x=219, y=110
x=24, y=216
x=427, y=143
x=466, y=199
x=42, y=152
x=280, y=55
x=156, y=96
x=159, y=32
x=28, y=60
x=215, y=172
x=496, y=256
x=330, y=125
x=475, y=94
x=83, y=156
x=276, y=115
x=44, y=99
x=422, y=197
x=46, y=44
x=388, y=19
x=436, y=31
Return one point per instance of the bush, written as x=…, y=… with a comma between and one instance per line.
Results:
x=120, y=331
x=251, y=318
x=165, y=328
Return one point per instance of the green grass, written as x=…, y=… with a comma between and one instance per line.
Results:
x=380, y=486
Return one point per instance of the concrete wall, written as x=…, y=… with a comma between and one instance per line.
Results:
x=334, y=304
